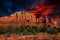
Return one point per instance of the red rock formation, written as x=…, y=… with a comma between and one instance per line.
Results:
x=24, y=18
x=17, y=18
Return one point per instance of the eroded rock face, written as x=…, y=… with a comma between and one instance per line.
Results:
x=23, y=18
x=17, y=18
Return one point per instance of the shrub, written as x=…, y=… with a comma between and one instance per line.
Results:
x=2, y=31
x=54, y=31
x=28, y=29
x=49, y=29
x=58, y=29
x=17, y=30
x=10, y=30
x=22, y=28
x=31, y=30
x=43, y=29
x=35, y=28
x=26, y=32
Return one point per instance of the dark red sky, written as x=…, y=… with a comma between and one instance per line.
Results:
x=8, y=7
x=50, y=8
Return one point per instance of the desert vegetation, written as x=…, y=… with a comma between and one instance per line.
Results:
x=29, y=33
x=27, y=30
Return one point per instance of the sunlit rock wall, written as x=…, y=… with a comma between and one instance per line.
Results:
x=18, y=19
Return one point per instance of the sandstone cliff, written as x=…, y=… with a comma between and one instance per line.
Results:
x=18, y=18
